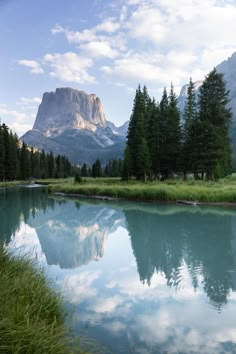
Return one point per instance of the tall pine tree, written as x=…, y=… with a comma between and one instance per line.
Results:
x=215, y=119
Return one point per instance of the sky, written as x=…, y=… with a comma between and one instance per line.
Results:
x=107, y=47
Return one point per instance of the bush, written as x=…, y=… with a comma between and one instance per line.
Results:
x=78, y=178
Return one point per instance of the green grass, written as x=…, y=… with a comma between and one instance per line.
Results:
x=11, y=183
x=223, y=191
x=54, y=180
x=32, y=315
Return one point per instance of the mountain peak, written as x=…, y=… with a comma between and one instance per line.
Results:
x=68, y=108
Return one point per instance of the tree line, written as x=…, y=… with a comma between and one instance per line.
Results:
x=113, y=168
x=161, y=144
x=19, y=161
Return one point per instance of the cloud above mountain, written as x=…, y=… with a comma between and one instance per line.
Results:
x=146, y=40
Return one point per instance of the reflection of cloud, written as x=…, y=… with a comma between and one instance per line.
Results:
x=115, y=326
x=104, y=305
x=78, y=287
x=26, y=242
x=159, y=316
x=153, y=318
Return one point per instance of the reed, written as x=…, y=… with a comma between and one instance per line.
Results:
x=32, y=314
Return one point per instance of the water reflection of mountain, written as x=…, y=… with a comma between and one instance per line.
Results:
x=204, y=241
x=72, y=235
x=163, y=238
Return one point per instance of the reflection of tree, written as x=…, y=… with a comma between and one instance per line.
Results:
x=72, y=234
x=18, y=204
x=162, y=243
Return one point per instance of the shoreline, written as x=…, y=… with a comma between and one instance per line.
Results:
x=117, y=199
x=192, y=193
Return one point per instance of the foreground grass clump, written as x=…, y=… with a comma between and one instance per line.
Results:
x=223, y=191
x=31, y=313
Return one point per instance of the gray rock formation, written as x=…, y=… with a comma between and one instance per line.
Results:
x=68, y=108
x=73, y=123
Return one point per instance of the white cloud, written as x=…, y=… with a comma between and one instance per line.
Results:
x=70, y=67
x=35, y=67
x=109, y=26
x=29, y=104
x=19, y=122
x=153, y=68
x=57, y=29
x=75, y=37
x=148, y=41
x=99, y=49
x=25, y=100
x=183, y=23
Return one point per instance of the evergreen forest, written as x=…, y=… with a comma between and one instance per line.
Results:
x=162, y=144
x=21, y=162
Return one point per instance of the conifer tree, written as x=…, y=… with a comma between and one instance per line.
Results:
x=173, y=137
x=153, y=136
x=189, y=152
x=163, y=129
x=126, y=171
x=136, y=130
x=97, y=169
x=215, y=119
x=143, y=161
x=84, y=171
x=24, y=162
x=20, y=161
x=51, y=165
x=2, y=155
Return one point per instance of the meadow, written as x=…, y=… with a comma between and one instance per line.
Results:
x=174, y=190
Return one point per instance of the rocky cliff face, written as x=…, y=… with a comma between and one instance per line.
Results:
x=73, y=123
x=67, y=108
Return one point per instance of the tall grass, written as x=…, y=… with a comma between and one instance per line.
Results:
x=11, y=183
x=32, y=315
x=223, y=191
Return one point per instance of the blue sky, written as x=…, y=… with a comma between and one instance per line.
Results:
x=107, y=48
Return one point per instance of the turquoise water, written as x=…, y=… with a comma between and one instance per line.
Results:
x=142, y=278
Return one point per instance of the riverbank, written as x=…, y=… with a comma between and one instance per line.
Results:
x=220, y=192
x=32, y=315
x=11, y=183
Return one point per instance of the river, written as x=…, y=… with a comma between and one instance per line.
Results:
x=139, y=278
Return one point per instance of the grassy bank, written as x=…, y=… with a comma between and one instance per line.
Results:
x=31, y=313
x=223, y=191
x=11, y=183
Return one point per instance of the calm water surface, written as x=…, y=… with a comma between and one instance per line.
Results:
x=142, y=278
